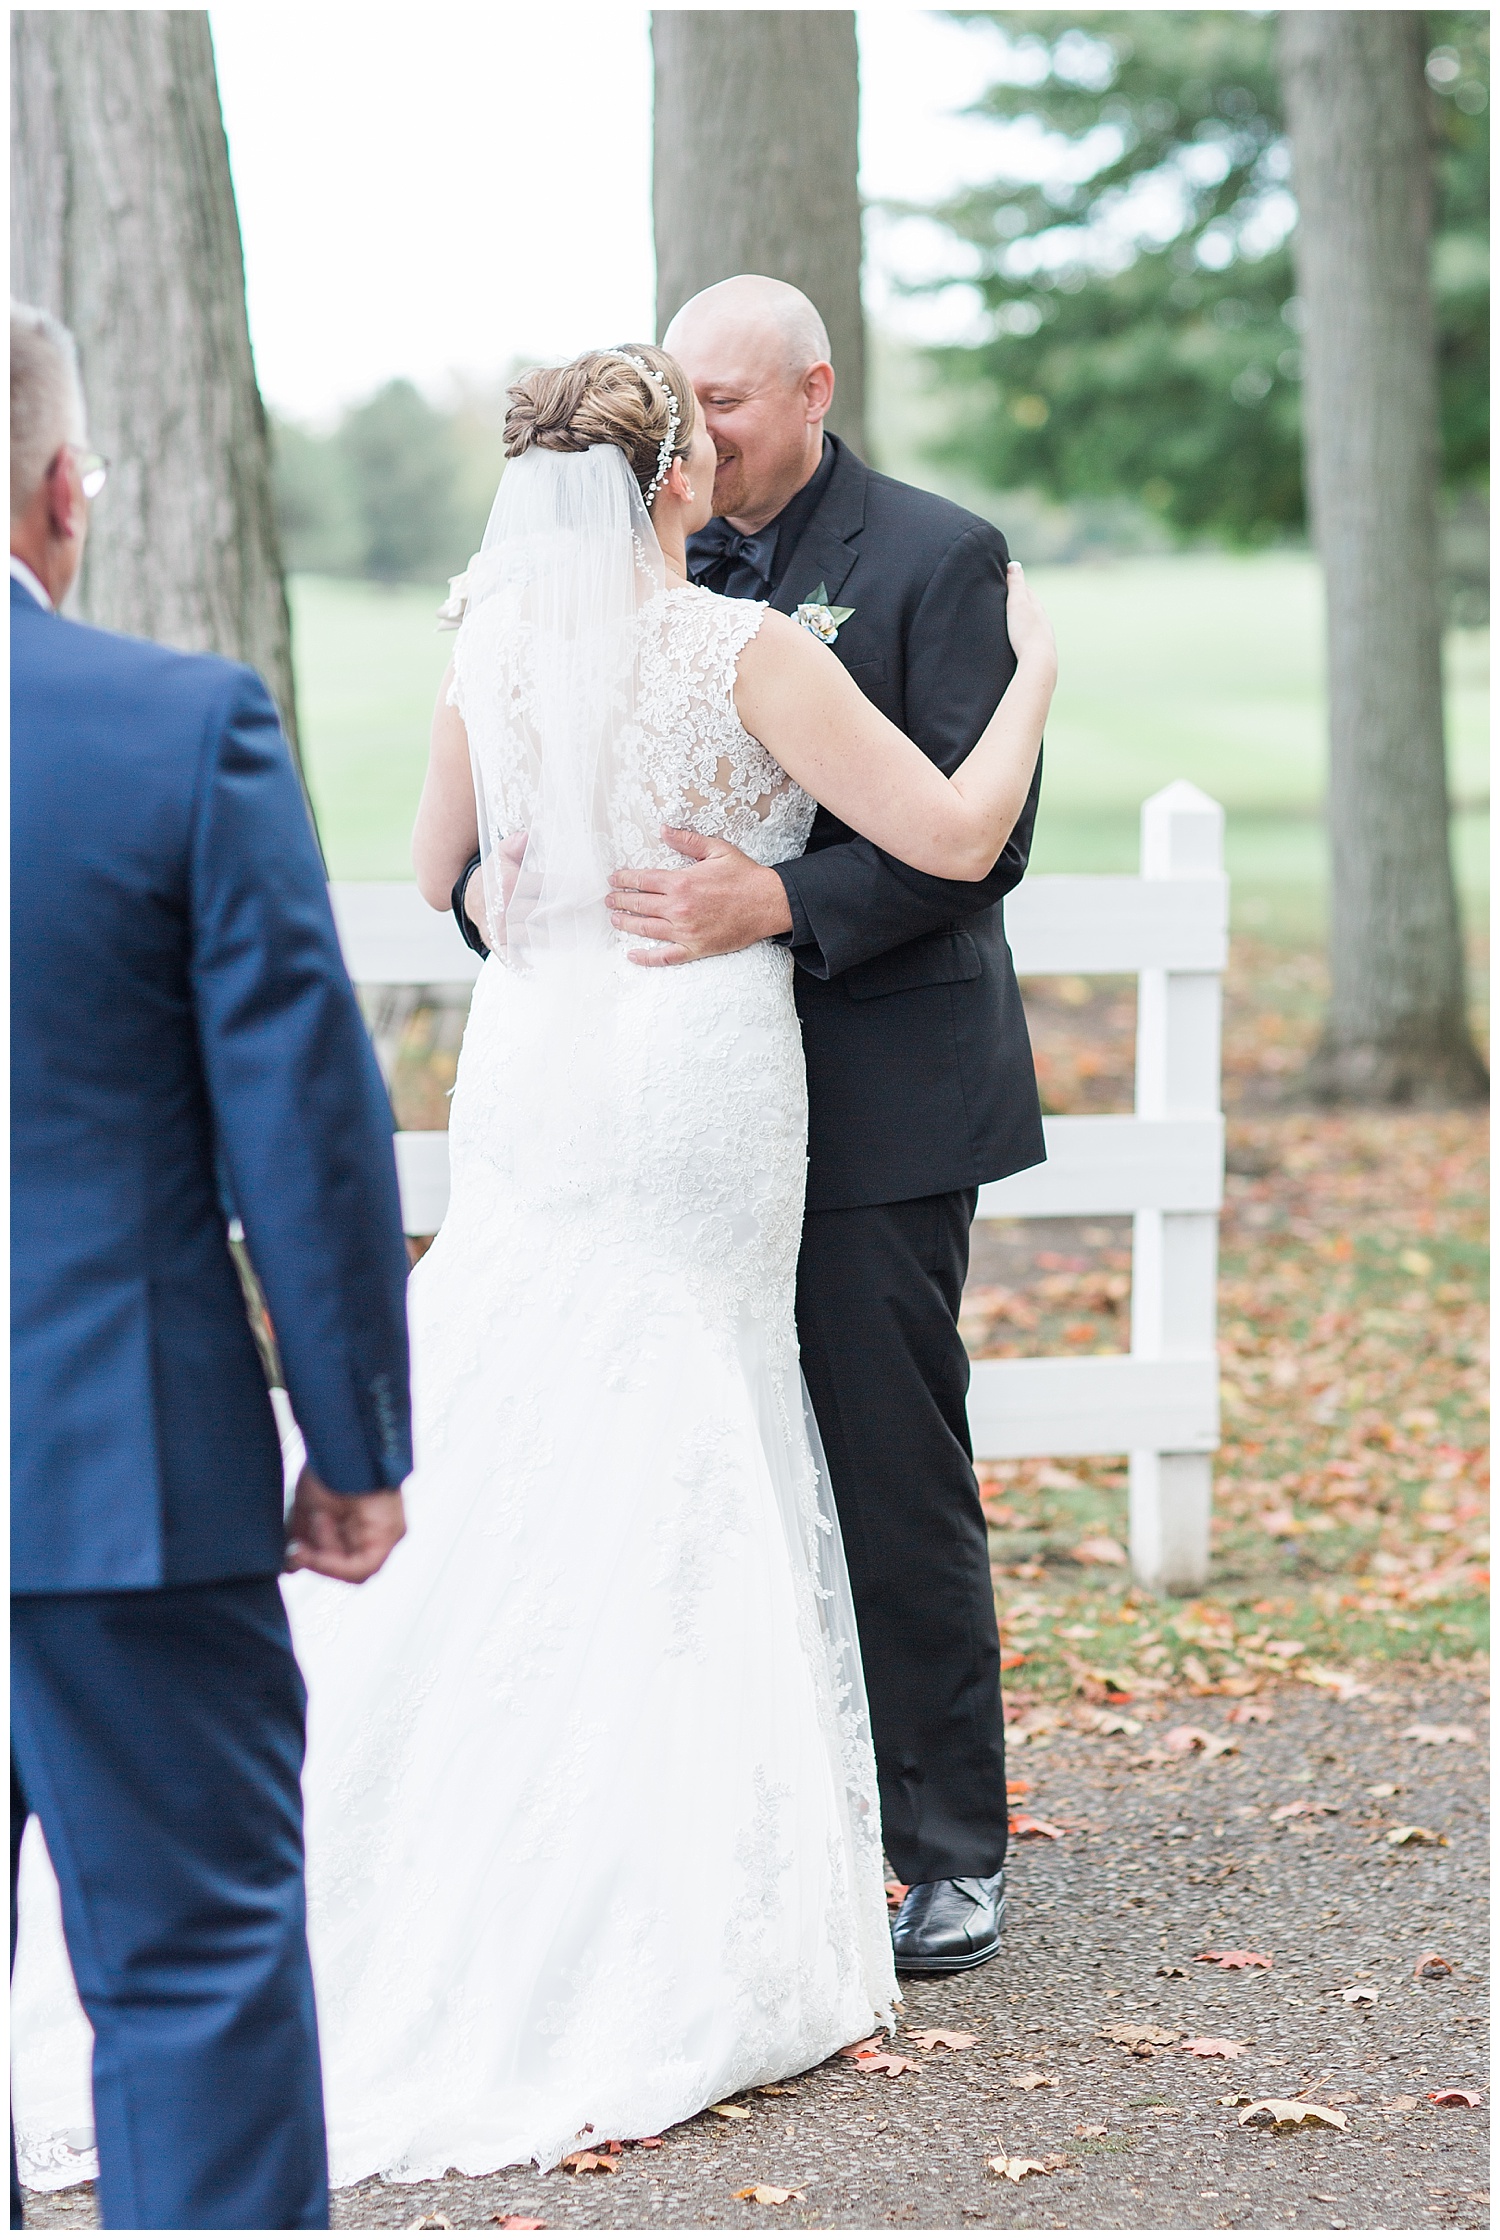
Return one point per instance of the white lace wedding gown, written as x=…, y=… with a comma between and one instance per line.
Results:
x=592, y=1827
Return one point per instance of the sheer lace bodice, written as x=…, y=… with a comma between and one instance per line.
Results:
x=685, y=761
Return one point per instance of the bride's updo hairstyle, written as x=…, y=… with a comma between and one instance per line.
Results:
x=602, y=398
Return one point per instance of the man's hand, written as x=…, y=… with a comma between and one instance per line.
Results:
x=342, y=1535
x=721, y=901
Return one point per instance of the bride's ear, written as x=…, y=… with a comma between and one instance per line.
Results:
x=677, y=484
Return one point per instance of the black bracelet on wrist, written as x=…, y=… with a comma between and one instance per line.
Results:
x=473, y=938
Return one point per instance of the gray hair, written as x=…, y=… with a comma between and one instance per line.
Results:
x=46, y=399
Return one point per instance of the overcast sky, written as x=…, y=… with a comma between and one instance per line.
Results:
x=435, y=190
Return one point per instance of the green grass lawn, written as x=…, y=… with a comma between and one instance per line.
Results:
x=1201, y=666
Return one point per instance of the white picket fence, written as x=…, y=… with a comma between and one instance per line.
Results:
x=1163, y=1164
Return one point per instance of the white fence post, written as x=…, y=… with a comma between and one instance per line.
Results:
x=1175, y=1274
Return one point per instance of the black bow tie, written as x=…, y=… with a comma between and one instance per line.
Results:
x=720, y=544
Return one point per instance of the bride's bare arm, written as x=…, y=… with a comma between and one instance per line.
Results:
x=796, y=698
x=446, y=832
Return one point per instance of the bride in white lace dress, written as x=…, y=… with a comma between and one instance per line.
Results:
x=592, y=1828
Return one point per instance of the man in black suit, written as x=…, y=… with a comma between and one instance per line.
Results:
x=920, y=1077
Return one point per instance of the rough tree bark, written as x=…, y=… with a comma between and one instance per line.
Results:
x=123, y=224
x=1357, y=108
x=757, y=167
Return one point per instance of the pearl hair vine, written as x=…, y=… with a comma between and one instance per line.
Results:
x=674, y=421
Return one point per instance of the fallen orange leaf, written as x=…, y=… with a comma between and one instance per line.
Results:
x=884, y=2064
x=1432, y=1965
x=1180, y=1740
x=1010, y=1658
x=1234, y=1959
x=894, y=1893
x=769, y=2197
x=586, y=2159
x=1034, y=2081
x=957, y=2041
x=1022, y=1824
x=865, y=2045
x=518, y=2224
x=1208, y=2046
x=1455, y=2099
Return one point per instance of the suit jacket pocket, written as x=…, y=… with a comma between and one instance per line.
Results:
x=931, y=962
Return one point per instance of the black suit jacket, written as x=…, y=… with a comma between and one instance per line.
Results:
x=920, y=1076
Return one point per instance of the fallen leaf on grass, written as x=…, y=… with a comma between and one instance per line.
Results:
x=1455, y=2099
x=1431, y=1966
x=1100, y=1547
x=1414, y=1835
x=586, y=2159
x=865, y=2045
x=769, y=2197
x=1303, y=1809
x=1033, y=2080
x=884, y=2064
x=1359, y=1995
x=730, y=2112
x=1207, y=2047
x=1437, y=1734
x=1022, y=1824
x=957, y=2041
x=1292, y=2115
x=1180, y=1740
x=1222, y=1959
x=1248, y=1714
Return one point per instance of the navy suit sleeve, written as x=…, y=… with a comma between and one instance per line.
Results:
x=301, y=1117
x=850, y=901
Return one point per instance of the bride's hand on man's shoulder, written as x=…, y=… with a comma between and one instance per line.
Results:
x=1026, y=620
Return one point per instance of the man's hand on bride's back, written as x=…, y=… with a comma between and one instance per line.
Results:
x=342, y=1535
x=720, y=901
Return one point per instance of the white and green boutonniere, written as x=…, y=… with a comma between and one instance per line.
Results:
x=816, y=615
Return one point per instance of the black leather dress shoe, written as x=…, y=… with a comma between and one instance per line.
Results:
x=945, y=1927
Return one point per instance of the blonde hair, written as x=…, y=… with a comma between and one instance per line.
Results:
x=46, y=399
x=603, y=398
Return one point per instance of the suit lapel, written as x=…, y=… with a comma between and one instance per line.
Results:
x=825, y=551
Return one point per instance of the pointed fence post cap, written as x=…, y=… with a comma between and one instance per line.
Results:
x=1182, y=833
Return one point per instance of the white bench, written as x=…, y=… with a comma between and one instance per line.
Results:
x=1163, y=1164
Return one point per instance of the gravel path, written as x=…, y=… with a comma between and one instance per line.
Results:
x=1164, y=1857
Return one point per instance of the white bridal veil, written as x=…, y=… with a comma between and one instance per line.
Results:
x=568, y=562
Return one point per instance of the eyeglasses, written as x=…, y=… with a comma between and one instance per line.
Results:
x=93, y=468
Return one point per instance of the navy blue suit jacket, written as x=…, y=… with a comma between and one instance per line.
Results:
x=919, y=1068
x=184, y=1040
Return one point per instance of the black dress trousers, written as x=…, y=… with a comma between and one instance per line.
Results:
x=878, y=1291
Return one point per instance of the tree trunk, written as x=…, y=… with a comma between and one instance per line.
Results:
x=1356, y=101
x=757, y=167
x=123, y=225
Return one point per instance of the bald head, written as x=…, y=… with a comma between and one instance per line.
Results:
x=752, y=309
x=756, y=353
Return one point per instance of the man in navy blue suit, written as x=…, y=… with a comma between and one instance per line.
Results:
x=186, y=1042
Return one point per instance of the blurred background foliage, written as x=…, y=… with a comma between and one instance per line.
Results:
x=397, y=492
x=1143, y=327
